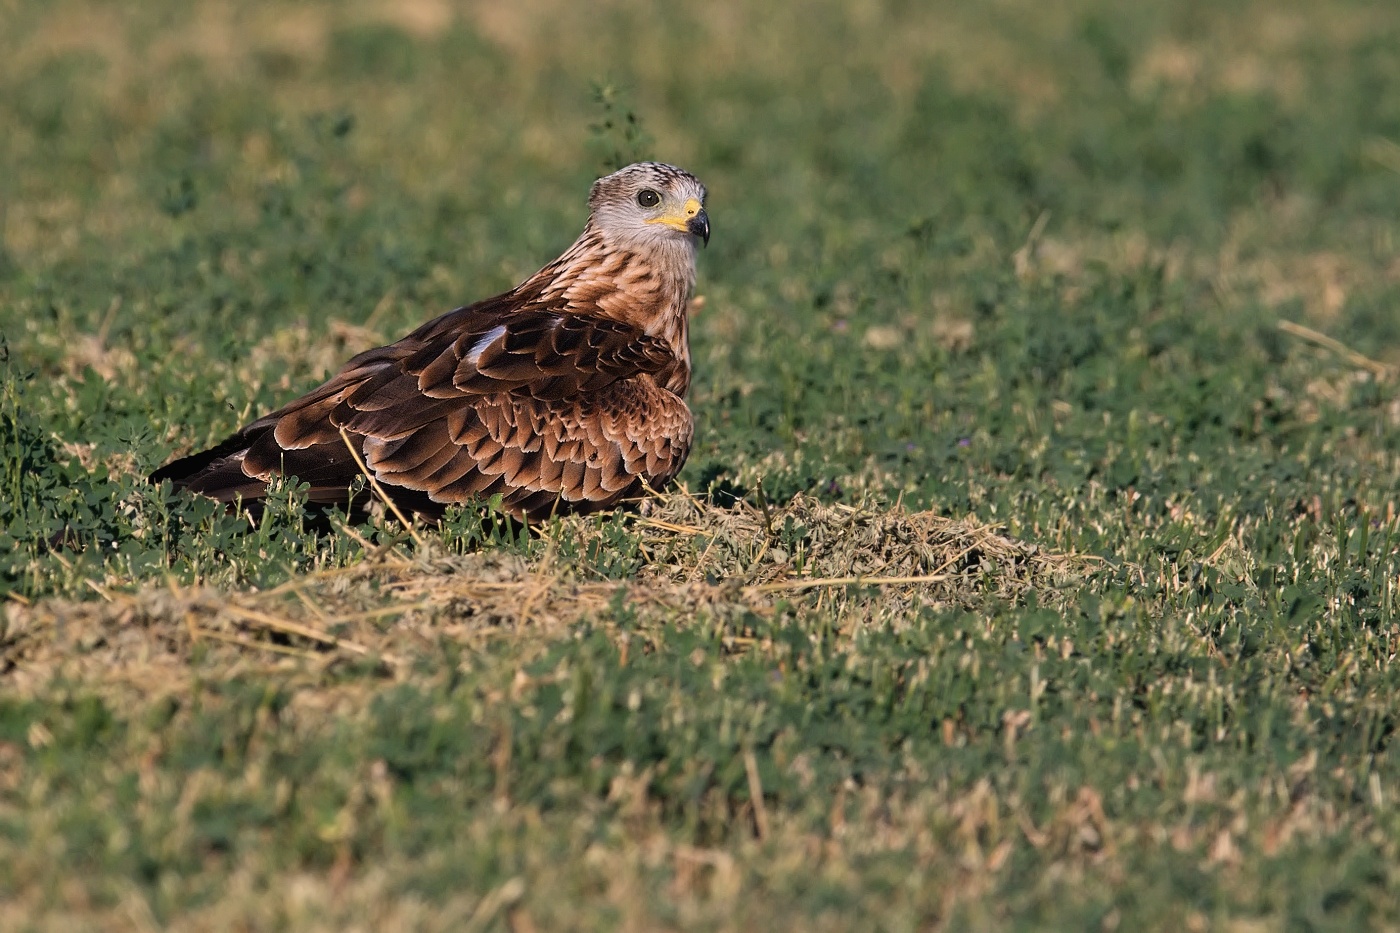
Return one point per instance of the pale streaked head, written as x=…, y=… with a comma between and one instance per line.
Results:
x=650, y=202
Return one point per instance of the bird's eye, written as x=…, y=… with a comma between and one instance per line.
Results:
x=648, y=198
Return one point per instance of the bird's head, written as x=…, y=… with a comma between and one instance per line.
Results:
x=650, y=202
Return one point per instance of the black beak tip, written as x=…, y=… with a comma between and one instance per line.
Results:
x=699, y=225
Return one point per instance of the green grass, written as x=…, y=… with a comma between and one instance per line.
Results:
x=1021, y=263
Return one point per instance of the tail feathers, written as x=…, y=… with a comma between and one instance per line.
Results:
x=241, y=466
x=216, y=472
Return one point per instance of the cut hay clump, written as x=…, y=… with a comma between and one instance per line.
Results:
x=861, y=564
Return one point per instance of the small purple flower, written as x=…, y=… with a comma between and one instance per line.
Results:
x=964, y=442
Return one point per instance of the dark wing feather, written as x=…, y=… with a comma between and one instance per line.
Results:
x=547, y=354
x=551, y=410
x=576, y=455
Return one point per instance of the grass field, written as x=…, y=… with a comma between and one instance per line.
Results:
x=1037, y=566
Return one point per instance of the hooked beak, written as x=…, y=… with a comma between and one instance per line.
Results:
x=699, y=225
x=692, y=219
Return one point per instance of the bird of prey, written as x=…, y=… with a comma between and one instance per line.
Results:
x=564, y=394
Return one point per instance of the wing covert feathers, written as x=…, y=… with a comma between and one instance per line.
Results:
x=554, y=412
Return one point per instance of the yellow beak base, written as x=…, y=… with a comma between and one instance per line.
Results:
x=692, y=219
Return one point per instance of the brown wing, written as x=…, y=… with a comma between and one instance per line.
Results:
x=550, y=410
x=542, y=456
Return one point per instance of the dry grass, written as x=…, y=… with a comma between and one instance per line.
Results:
x=1118, y=277
x=867, y=565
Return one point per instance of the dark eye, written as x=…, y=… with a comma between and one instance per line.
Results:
x=648, y=198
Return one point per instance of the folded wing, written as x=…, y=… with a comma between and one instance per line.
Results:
x=553, y=411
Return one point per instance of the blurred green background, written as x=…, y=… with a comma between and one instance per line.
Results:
x=1024, y=261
